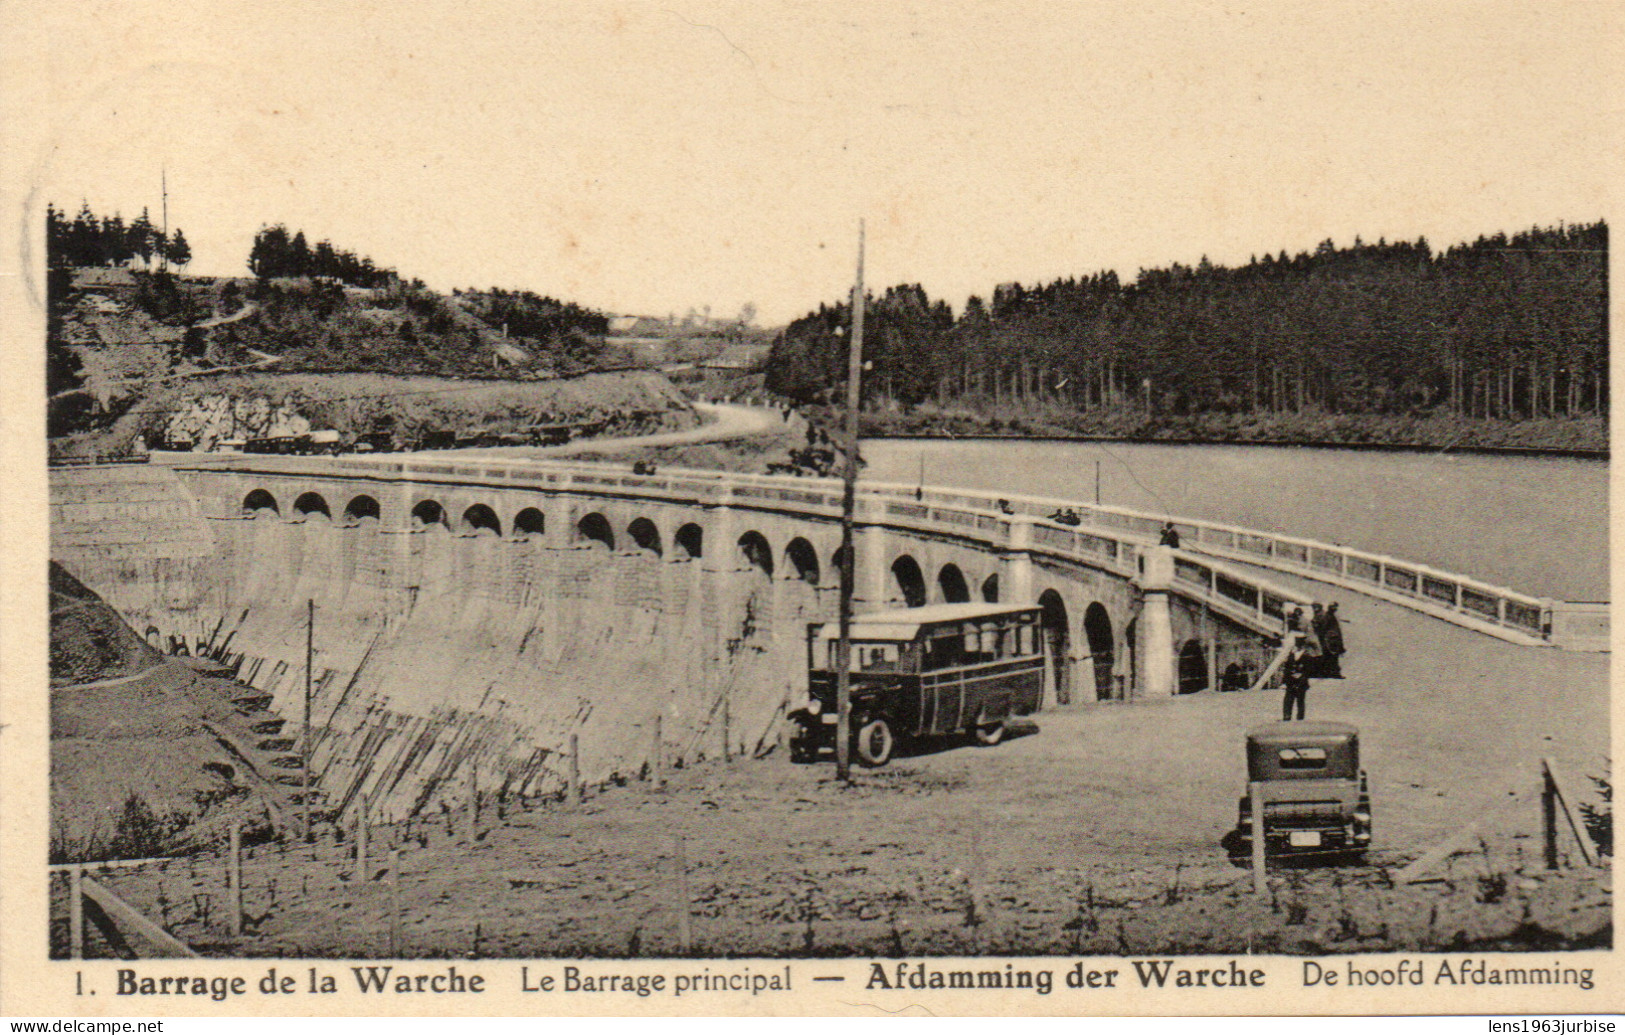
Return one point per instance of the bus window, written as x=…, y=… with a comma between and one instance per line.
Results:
x=1026, y=645
x=869, y=657
x=990, y=641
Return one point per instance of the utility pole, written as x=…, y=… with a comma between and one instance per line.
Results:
x=849, y=489
x=304, y=741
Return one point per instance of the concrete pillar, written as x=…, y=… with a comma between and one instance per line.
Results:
x=1156, y=625
x=1016, y=566
x=871, y=570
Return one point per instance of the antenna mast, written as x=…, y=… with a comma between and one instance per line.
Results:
x=163, y=246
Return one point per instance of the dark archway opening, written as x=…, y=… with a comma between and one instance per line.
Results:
x=529, y=522
x=594, y=529
x=260, y=503
x=1192, y=668
x=646, y=536
x=951, y=584
x=1057, y=644
x=690, y=542
x=309, y=505
x=1097, y=629
x=362, y=508
x=990, y=589
x=756, y=553
x=480, y=519
x=908, y=581
x=428, y=514
x=803, y=560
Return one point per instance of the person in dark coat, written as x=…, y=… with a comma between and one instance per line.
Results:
x=1330, y=631
x=1295, y=677
x=1170, y=535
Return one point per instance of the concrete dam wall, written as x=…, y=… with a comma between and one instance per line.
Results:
x=445, y=661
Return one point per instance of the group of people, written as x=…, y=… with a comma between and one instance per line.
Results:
x=1316, y=652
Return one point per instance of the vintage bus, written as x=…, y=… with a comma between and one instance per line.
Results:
x=932, y=671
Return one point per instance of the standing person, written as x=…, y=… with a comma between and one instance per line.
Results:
x=1170, y=535
x=1295, y=676
x=1331, y=641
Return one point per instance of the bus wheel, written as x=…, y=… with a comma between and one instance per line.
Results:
x=875, y=742
x=990, y=734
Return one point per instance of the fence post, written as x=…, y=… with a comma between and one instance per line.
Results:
x=76, y=912
x=1548, y=809
x=1255, y=797
x=1560, y=797
x=394, y=902
x=234, y=881
x=727, y=722
x=685, y=935
x=657, y=769
x=361, y=838
x=577, y=792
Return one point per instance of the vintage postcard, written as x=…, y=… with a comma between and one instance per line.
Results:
x=808, y=509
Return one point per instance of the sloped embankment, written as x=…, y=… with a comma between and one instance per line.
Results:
x=446, y=663
x=148, y=755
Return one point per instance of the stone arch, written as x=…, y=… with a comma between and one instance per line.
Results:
x=908, y=581
x=990, y=589
x=309, y=504
x=835, y=559
x=529, y=522
x=802, y=559
x=1097, y=630
x=646, y=535
x=951, y=584
x=595, y=528
x=756, y=553
x=1057, y=644
x=690, y=541
x=259, y=501
x=1192, y=667
x=1237, y=676
x=481, y=518
x=428, y=514
x=360, y=509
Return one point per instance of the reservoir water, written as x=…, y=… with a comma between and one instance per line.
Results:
x=1533, y=524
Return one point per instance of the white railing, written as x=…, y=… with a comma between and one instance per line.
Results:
x=1108, y=537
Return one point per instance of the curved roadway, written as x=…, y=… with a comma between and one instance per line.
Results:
x=727, y=421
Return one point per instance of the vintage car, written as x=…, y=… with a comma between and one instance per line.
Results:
x=1314, y=793
x=923, y=671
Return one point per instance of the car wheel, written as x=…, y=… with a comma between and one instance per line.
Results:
x=990, y=734
x=875, y=742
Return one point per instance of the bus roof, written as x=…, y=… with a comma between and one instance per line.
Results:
x=903, y=623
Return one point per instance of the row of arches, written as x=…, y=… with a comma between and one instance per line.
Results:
x=799, y=560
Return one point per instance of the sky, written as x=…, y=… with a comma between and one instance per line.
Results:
x=655, y=158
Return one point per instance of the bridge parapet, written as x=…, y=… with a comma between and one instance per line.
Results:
x=1113, y=540
x=1472, y=603
x=1017, y=524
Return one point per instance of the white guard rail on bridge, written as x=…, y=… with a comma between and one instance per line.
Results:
x=1490, y=609
x=982, y=516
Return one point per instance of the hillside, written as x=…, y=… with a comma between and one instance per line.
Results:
x=136, y=358
x=1502, y=341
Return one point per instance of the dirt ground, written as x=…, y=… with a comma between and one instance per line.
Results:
x=1098, y=832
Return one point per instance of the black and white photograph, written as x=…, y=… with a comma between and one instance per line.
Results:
x=783, y=508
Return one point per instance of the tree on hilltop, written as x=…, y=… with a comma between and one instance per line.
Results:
x=178, y=251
